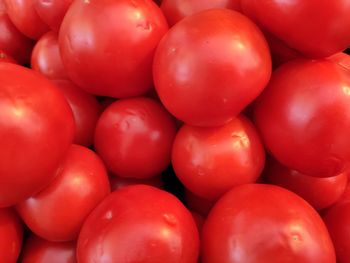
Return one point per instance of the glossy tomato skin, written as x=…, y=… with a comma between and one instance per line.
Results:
x=206, y=74
x=342, y=59
x=111, y=59
x=86, y=111
x=210, y=161
x=23, y=15
x=139, y=224
x=52, y=12
x=175, y=10
x=58, y=212
x=134, y=137
x=46, y=57
x=303, y=25
x=304, y=115
x=264, y=223
x=319, y=192
x=36, y=127
x=37, y=250
x=11, y=235
x=118, y=182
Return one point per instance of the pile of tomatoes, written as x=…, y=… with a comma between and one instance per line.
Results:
x=174, y=131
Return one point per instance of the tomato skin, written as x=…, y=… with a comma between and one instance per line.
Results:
x=37, y=250
x=111, y=59
x=11, y=233
x=139, y=224
x=304, y=115
x=134, y=137
x=210, y=161
x=206, y=74
x=86, y=111
x=80, y=186
x=4, y=57
x=25, y=18
x=46, y=57
x=36, y=127
x=252, y=223
x=118, y=182
x=319, y=192
x=303, y=25
x=341, y=59
x=175, y=10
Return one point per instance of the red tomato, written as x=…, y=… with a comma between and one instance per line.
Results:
x=120, y=182
x=86, y=111
x=134, y=137
x=36, y=130
x=346, y=195
x=175, y=10
x=264, y=223
x=37, y=250
x=197, y=203
x=199, y=219
x=313, y=27
x=11, y=234
x=25, y=18
x=4, y=57
x=304, y=117
x=337, y=220
x=107, y=46
x=52, y=11
x=58, y=212
x=46, y=57
x=319, y=192
x=342, y=59
x=139, y=224
x=210, y=161
x=206, y=74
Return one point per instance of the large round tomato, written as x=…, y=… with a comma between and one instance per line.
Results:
x=304, y=117
x=58, y=212
x=36, y=130
x=264, y=223
x=134, y=137
x=139, y=224
x=313, y=27
x=210, y=66
x=107, y=46
x=11, y=234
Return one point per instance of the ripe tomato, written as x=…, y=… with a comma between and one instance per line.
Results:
x=134, y=137
x=37, y=250
x=139, y=224
x=118, y=182
x=4, y=57
x=46, y=57
x=11, y=234
x=264, y=223
x=36, y=130
x=342, y=59
x=58, y=212
x=197, y=203
x=210, y=161
x=25, y=18
x=303, y=25
x=107, y=46
x=304, y=117
x=319, y=192
x=86, y=111
x=206, y=74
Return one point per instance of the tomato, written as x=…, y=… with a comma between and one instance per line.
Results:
x=25, y=18
x=4, y=57
x=107, y=46
x=304, y=117
x=342, y=59
x=197, y=203
x=199, y=219
x=37, y=250
x=210, y=161
x=86, y=111
x=134, y=137
x=175, y=10
x=58, y=212
x=206, y=74
x=337, y=220
x=139, y=224
x=346, y=195
x=303, y=25
x=319, y=192
x=46, y=57
x=11, y=234
x=265, y=223
x=120, y=182
x=36, y=130
x=52, y=12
